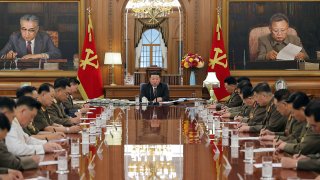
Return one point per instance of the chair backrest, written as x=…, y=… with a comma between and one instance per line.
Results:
x=54, y=36
x=254, y=35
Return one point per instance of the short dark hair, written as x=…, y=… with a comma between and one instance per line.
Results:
x=313, y=109
x=298, y=100
x=230, y=80
x=4, y=122
x=154, y=73
x=28, y=101
x=278, y=17
x=247, y=92
x=243, y=78
x=243, y=84
x=24, y=90
x=61, y=83
x=262, y=87
x=45, y=87
x=282, y=94
x=74, y=80
x=6, y=102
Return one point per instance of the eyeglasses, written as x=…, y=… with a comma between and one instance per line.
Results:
x=279, y=31
x=24, y=30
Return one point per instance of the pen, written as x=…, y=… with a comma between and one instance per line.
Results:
x=299, y=154
x=278, y=139
x=54, y=130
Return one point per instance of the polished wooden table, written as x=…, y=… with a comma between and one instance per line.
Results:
x=158, y=141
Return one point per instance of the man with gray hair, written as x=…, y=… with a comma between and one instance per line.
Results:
x=30, y=43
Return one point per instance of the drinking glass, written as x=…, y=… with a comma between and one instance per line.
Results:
x=85, y=149
x=74, y=146
x=75, y=162
x=85, y=137
x=266, y=166
x=62, y=162
x=234, y=139
x=137, y=99
x=248, y=152
x=225, y=132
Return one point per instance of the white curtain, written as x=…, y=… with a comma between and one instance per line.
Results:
x=164, y=51
x=138, y=53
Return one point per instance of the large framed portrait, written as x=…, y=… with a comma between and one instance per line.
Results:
x=63, y=20
x=245, y=20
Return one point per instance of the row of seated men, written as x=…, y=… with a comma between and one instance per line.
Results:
x=29, y=123
x=289, y=121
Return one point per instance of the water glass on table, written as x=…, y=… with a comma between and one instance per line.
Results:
x=248, y=152
x=267, y=167
x=62, y=162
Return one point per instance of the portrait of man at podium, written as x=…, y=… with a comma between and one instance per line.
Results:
x=29, y=42
x=269, y=45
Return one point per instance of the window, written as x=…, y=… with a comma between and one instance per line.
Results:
x=151, y=52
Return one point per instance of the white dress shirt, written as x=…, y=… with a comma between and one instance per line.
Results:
x=21, y=144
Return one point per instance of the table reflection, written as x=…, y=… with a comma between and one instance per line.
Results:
x=153, y=161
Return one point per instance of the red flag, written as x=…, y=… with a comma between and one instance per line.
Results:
x=218, y=61
x=89, y=73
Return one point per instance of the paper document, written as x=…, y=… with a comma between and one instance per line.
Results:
x=289, y=52
x=46, y=163
x=264, y=150
x=276, y=165
x=249, y=138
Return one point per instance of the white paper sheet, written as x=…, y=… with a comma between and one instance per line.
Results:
x=46, y=163
x=249, y=138
x=264, y=150
x=289, y=52
x=276, y=165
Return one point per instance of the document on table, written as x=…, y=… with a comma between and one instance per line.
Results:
x=249, y=138
x=264, y=150
x=289, y=52
x=46, y=163
x=276, y=165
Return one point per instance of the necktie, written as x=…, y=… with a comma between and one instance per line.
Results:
x=29, y=48
x=154, y=91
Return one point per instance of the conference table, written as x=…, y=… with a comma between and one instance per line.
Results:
x=160, y=142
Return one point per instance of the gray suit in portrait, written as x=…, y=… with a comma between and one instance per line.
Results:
x=267, y=44
x=43, y=44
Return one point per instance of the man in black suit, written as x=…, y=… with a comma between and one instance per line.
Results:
x=29, y=43
x=155, y=91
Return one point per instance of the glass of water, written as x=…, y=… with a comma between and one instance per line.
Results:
x=74, y=146
x=137, y=99
x=62, y=162
x=248, y=152
x=267, y=167
x=85, y=137
x=234, y=139
x=225, y=132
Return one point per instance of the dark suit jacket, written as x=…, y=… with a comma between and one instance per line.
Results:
x=162, y=91
x=267, y=43
x=10, y=161
x=43, y=44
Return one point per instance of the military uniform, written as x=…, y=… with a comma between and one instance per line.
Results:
x=10, y=161
x=234, y=100
x=57, y=114
x=31, y=129
x=243, y=111
x=309, y=143
x=42, y=119
x=292, y=131
x=256, y=118
x=312, y=164
x=70, y=108
x=272, y=120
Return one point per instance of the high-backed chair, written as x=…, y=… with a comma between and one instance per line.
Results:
x=254, y=35
x=54, y=36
